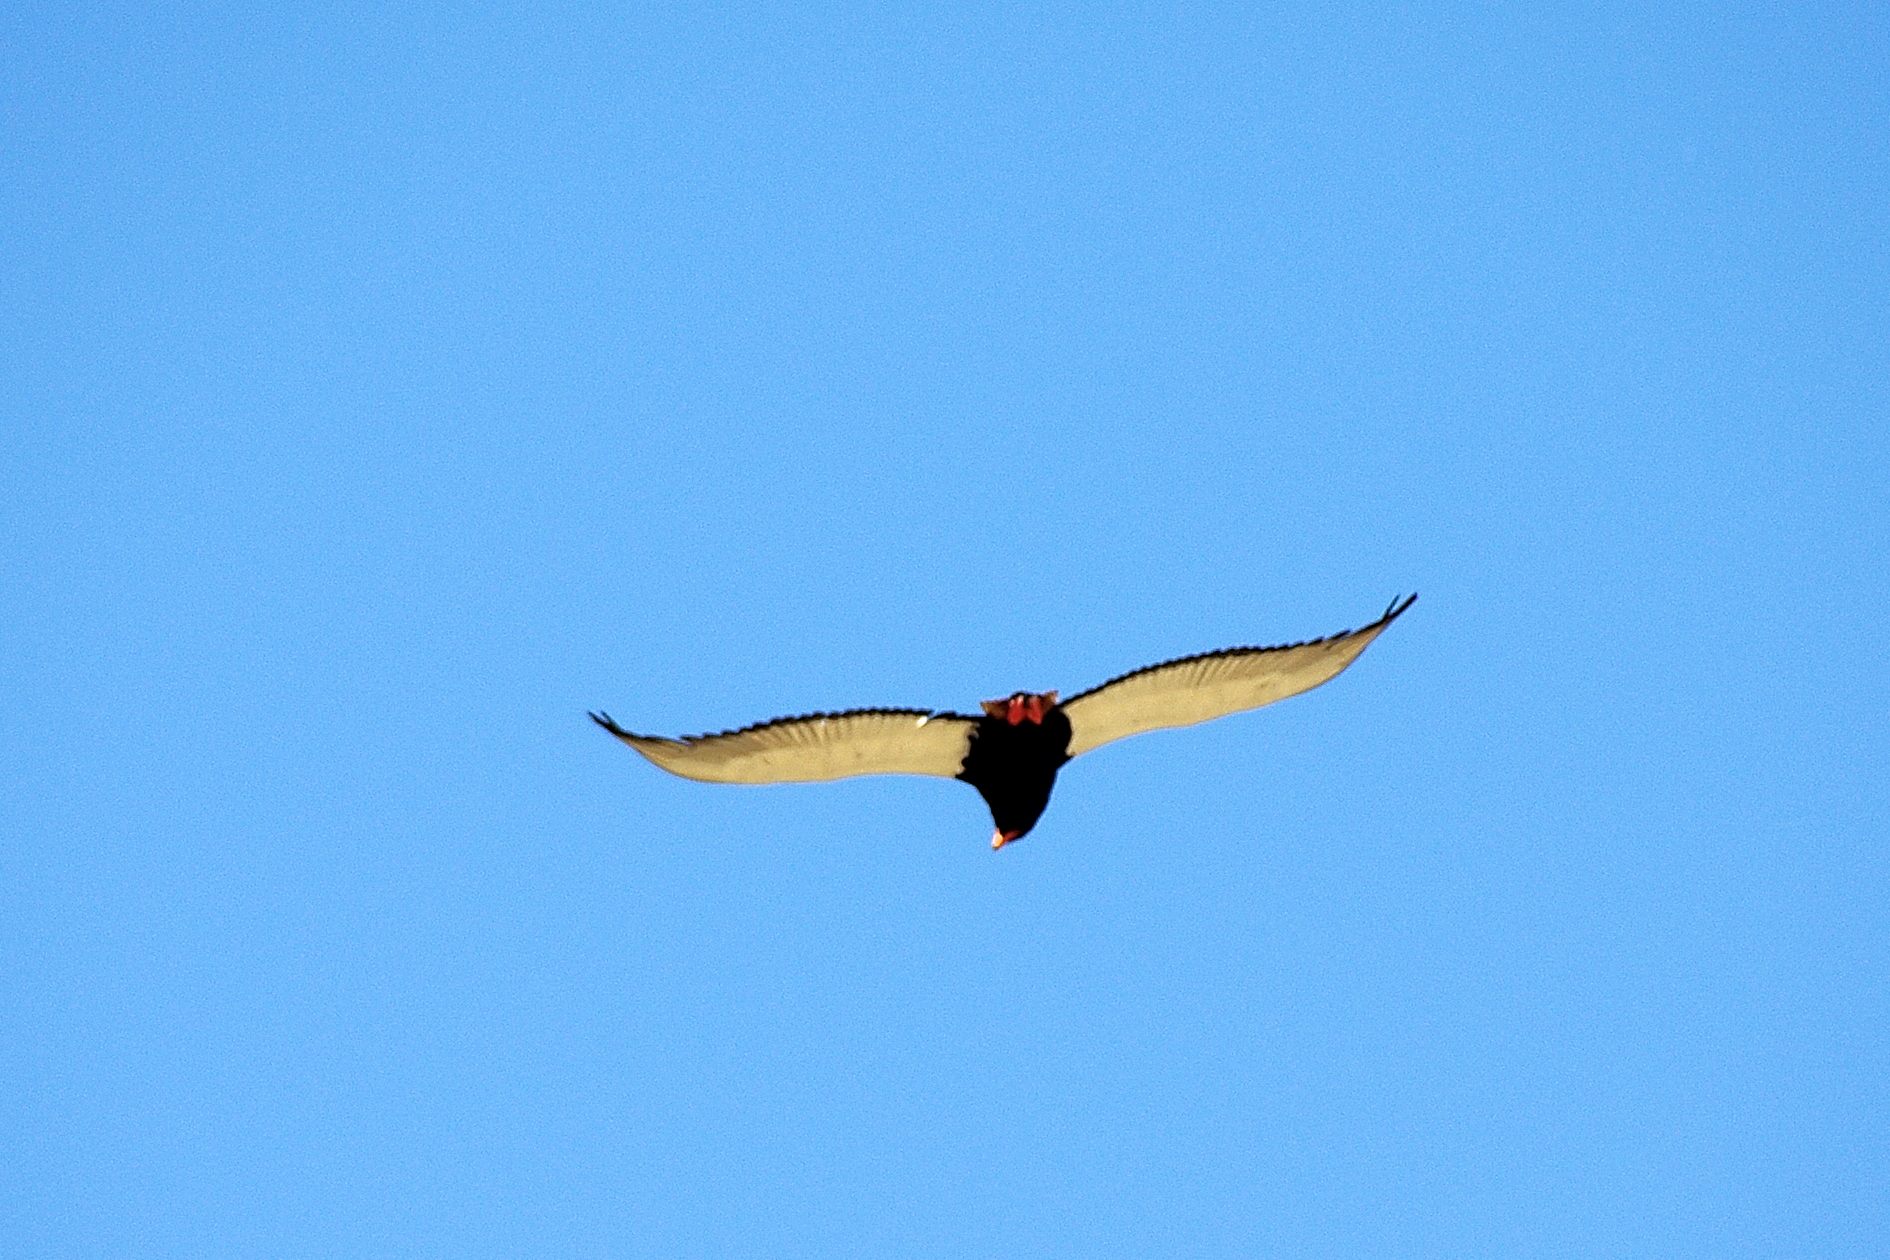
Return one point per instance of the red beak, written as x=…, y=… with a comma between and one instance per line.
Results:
x=1001, y=838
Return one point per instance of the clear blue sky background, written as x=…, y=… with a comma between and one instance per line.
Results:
x=383, y=390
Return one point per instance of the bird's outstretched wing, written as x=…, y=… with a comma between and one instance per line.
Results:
x=1213, y=684
x=814, y=747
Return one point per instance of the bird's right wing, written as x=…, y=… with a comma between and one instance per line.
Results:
x=1213, y=684
x=815, y=747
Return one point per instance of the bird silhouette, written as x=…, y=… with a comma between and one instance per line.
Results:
x=1012, y=751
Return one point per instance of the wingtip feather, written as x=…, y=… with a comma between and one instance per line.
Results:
x=610, y=724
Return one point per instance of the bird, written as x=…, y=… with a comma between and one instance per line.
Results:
x=1011, y=752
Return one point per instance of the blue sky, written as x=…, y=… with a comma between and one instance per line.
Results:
x=384, y=389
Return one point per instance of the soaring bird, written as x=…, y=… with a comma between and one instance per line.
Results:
x=1011, y=753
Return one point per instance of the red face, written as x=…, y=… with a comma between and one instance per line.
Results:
x=1022, y=706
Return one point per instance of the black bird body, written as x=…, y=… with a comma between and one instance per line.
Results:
x=1014, y=766
x=1011, y=753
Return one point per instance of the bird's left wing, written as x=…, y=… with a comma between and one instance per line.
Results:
x=814, y=747
x=1213, y=684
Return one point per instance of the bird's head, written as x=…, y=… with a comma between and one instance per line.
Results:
x=1022, y=706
